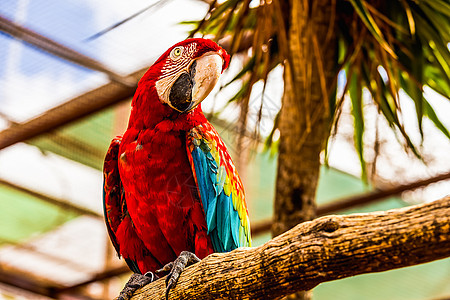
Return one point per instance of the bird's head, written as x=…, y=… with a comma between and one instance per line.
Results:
x=187, y=72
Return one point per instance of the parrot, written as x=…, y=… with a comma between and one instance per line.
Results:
x=171, y=193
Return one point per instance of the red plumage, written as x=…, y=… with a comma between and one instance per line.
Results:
x=153, y=209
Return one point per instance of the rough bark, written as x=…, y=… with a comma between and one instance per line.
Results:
x=325, y=249
x=304, y=116
x=304, y=121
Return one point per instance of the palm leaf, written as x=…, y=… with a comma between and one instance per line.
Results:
x=405, y=39
x=366, y=17
x=429, y=112
x=355, y=92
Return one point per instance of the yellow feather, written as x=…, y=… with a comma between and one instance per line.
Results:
x=235, y=199
x=240, y=208
x=227, y=186
x=242, y=237
x=216, y=156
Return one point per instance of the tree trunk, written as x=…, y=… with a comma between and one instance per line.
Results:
x=304, y=119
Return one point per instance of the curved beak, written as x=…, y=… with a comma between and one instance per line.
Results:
x=208, y=70
x=195, y=84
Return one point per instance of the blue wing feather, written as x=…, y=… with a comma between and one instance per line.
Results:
x=200, y=165
x=235, y=223
x=211, y=220
x=224, y=224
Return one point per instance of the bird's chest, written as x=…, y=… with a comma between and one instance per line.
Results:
x=155, y=171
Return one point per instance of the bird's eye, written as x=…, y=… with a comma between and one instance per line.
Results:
x=176, y=53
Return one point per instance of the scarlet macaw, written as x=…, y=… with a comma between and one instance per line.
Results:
x=170, y=187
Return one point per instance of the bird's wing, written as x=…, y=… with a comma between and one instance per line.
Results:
x=114, y=205
x=220, y=189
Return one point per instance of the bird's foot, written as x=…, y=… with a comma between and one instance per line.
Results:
x=135, y=282
x=175, y=268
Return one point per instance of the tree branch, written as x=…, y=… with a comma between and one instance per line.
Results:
x=325, y=249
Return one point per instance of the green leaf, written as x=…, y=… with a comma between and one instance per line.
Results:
x=416, y=94
x=249, y=66
x=392, y=117
x=241, y=93
x=431, y=114
x=436, y=81
x=355, y=91
x=415, y=91
x=435, y=44
x=439, y=6
x=440, y=22
x=270, y=144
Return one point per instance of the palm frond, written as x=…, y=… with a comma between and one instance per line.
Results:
x=358, y=115
x=418, y=34
x=384, y=47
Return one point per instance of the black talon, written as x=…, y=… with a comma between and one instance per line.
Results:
x=135, y=282
x=185, y=259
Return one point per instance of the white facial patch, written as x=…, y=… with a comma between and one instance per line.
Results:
x=173, y=67
x=207, y=71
